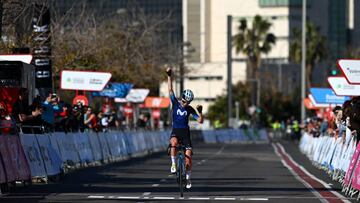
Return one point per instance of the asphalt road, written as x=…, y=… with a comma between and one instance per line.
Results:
x=222, y=173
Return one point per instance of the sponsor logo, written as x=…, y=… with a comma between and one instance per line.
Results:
x=352, y=71
x=95, y=81
x=181, y=113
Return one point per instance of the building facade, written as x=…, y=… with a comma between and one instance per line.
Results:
x=205, y=27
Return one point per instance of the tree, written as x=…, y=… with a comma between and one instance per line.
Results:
x=253, y=42
x=217, y=111
x=316, y=49
x=130, y=44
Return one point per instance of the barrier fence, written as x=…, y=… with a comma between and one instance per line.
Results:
x=235, y=136
x=27, y=156
x=339, y=157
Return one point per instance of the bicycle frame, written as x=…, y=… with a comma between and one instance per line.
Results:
x=180, y=172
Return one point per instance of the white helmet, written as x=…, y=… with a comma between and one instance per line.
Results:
x=187, y=95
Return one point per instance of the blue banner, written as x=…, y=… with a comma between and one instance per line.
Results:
x=327, y=96
x=112, y=90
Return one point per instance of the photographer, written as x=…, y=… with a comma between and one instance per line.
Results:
x=50, y=107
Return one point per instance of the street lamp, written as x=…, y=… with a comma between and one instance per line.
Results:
x=303, y=61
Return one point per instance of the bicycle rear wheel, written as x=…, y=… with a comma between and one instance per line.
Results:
x=181, y=179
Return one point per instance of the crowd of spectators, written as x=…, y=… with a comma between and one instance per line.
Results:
x=343, y=122
x=52, y=114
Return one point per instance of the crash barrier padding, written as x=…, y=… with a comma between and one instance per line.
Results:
x=14, y=165
x=339, y=157
x=49, y=154
x=234, y=135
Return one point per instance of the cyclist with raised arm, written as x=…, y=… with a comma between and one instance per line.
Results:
x=181, y=132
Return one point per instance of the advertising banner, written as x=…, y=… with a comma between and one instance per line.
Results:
x=341, y=87
x=15, y=163
x=114, y=90
x=327, y=96
x=33, y=156
x=51, y=158
x=351, y=70
x=84, y=80
x=157, y=102
x=134, y=96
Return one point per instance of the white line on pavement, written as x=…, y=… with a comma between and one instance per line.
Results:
x=146, y=193
x=124, y=197
x=199, y=198
x=254, y=199
x=164, y=198
x=96, y=197
x=314, y=177
x=155, y=185
x=225, y=198
x=297, y=177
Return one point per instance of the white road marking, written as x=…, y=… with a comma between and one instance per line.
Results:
x=96, y=197
x=111, y=197
x=163, y=180
x=171, y=175
x=311, y=175
x=155, y=185
x=146, y=193
x=164, y=198
x=297, y=177
x=225, y=198
x=254, y=199
x=124, y=197
x=199, y=198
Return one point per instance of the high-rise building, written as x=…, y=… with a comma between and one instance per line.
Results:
x=205, y=27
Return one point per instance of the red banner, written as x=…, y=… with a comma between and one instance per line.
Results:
x=157, y=102
x=13, y=157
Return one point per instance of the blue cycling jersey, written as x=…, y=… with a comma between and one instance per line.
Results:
x=181, y=114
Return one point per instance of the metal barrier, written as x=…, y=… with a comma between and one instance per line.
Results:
x=45, y=155
x=339, y=157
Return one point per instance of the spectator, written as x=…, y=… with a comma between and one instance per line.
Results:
x=50, y=107
x=90, y=120
x=20, y=109
x=36, y=120
x=141, y=122
x=76, y=118
x=103, y=122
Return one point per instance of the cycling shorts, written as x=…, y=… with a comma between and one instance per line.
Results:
x=183, y=136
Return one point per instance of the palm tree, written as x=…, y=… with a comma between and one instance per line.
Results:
x=316, y=50
x=253, y=42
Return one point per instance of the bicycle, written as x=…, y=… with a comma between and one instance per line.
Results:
x=180, y=168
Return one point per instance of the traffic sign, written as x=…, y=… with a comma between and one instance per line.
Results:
x=341, y=87
x=351, y=70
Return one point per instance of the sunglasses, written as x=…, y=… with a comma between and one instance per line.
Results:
x=185, y=102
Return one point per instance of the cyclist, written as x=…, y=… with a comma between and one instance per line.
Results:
x=181, y=132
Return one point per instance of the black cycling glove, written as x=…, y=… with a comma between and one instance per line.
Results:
x=168, y=72
x=199, y=108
